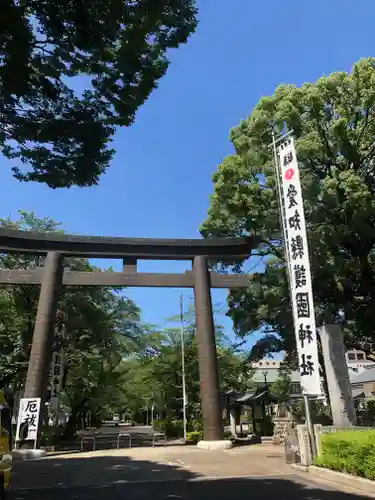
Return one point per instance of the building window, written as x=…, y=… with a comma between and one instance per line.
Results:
x=360, y=355
x=351, y=356
x=295, y=388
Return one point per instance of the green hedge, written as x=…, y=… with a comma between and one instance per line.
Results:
x=171, y=428
x=193, y=437
x=175, y=428
x=349, y=451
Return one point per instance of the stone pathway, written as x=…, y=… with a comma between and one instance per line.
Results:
x=158, y=473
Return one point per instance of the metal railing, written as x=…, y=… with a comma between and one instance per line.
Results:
x=124, y=434
x=159, y=435
x=88, y=438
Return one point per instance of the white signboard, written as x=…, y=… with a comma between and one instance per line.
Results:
x=299, y=269
x=28, y=419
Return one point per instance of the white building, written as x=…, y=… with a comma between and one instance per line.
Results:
x=267, y=370
x=357, y=362
x=361, y=374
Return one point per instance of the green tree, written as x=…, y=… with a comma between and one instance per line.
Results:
x=94, y=348
x=96, y=328
x=61, y=134
x=18, y=305
x=95, y=386
x=156, y=377
x=282, y=387
x=334, y=125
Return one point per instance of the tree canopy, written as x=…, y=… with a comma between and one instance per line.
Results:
x=96, y=328
x=155, y=376
x=333, y=121
x=120, y=47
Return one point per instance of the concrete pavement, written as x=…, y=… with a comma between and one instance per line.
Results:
x=160, y=473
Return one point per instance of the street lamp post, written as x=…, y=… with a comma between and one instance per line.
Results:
x=265, y=373
x=182, y=332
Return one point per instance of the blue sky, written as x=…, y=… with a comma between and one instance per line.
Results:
x=160, y=180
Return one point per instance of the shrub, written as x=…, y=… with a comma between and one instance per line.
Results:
x=322, y=420
x=193, y=437
x=159, y=425
x=195, y=425
x=175, y=428
x=349, y=451
x=50, y=436
x=171, y=428
x=371, y=407
x=228, y=435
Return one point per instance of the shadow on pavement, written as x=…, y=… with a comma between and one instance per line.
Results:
x=118, y=478
x=81, y=471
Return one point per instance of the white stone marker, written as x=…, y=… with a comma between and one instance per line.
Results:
x=339, y=388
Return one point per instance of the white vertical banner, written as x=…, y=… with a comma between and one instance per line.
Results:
x=28, y=419
x=299, y=268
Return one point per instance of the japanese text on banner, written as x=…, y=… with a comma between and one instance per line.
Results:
x=28, y=419
x=299, y=269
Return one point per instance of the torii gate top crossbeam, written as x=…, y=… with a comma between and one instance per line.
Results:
x=15, y=241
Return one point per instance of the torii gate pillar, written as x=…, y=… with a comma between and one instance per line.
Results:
x=213, y=428
x=42, y=345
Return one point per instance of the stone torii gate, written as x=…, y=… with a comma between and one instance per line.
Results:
x=52, y=277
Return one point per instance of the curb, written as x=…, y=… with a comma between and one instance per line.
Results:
x=300, y=467
x=339, y=478
x=28, y=454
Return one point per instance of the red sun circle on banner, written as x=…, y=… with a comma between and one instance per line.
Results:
x=289, y=174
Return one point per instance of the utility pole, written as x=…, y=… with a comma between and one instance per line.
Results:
x=182, y=332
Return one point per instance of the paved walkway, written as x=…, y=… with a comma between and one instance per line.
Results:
x=178, y=472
